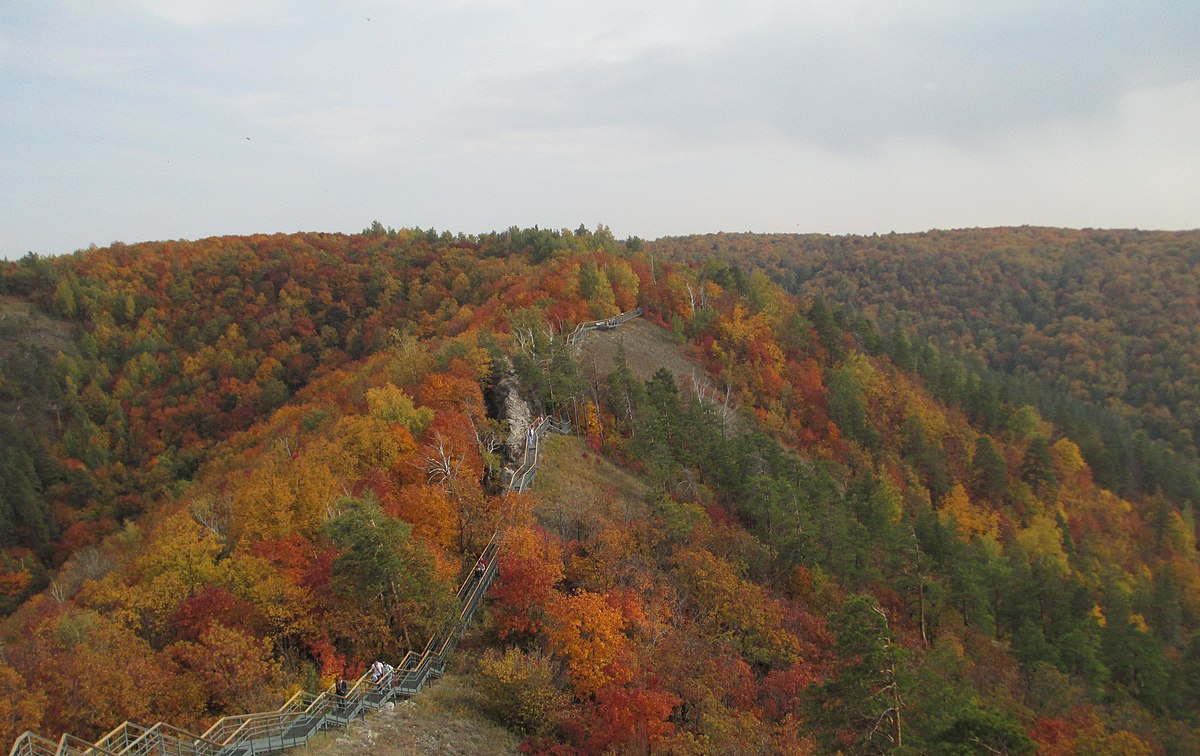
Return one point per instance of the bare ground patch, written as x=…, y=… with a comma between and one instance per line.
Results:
x=22, y=322
x=647, y=348
x=444, y=719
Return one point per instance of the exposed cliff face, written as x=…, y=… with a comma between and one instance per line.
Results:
x=505, y=402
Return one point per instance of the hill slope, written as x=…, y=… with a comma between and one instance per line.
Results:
x=1099, y=329
x=280, y=455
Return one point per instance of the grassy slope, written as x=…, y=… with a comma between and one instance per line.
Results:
x=577, y=488
x=647, y=348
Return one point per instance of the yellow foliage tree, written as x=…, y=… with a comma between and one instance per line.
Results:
x=732, y=610
x=1068, y=461
x=20, y=707
x=371, y=443
x=263, y=504
x=181, y=559
x=585, y=631
x=1043, y=540
x=392, y=405
x=314, y=489
x=972, y=521
x=288, y=610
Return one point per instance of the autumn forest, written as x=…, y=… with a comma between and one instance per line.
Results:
x=916, y=493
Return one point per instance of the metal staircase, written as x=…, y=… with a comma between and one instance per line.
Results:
x=300, y=718
x=523, y=477
x=305, y=714
x=602, y=325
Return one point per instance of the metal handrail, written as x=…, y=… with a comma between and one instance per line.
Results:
x=30, y=744
x=119, y=737
x=163, y=738
x=606, y=324
x=71, y=744
x=522, y=478
x=301, y=716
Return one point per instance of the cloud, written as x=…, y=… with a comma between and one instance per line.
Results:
x=849, y=76
x=197, y=13
x=83, y=62
x=826, y=115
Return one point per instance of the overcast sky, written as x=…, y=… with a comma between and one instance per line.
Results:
x=139, y=120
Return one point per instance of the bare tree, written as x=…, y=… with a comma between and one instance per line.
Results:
x=706, y=393
x=441, y=464
x=58, y=591
x=215, y=513
x=93, y=563
x=890, y=716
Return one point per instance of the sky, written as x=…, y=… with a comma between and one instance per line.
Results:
x=140, y=120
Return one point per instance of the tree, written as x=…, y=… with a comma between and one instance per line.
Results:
x=970, y=521
x=734, y=611
x=586, y=632
x=927, y=456
x=530, y=567
x=848, y=407
x=392, y=405
x=985, y=731
x=1134, y=655
x=112, y=675
x=862, y=707
x=626, y=394
x=382, y=569
x=989, y=473
x=519, y=690
x=1037, y=469
x=630, y=718
x=658, y=427
x=237, y=671
x=20, y=707
x=430, y=511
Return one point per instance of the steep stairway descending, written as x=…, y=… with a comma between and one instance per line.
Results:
x=301, y=717
x=523, y=477
x=305, y=714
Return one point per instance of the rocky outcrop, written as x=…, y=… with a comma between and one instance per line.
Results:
x=506, y=403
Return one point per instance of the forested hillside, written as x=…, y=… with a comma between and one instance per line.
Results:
x=257, y=463
x=1099, y=329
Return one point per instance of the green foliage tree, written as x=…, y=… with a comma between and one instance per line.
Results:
x=384, y=571
x=864, y=700
x=989, y=473
x=848, y=408
x=392, y=405
x=1037, y=468
x=984, y=731
x=927, y=457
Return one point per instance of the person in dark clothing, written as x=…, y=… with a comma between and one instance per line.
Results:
x=340, y=690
